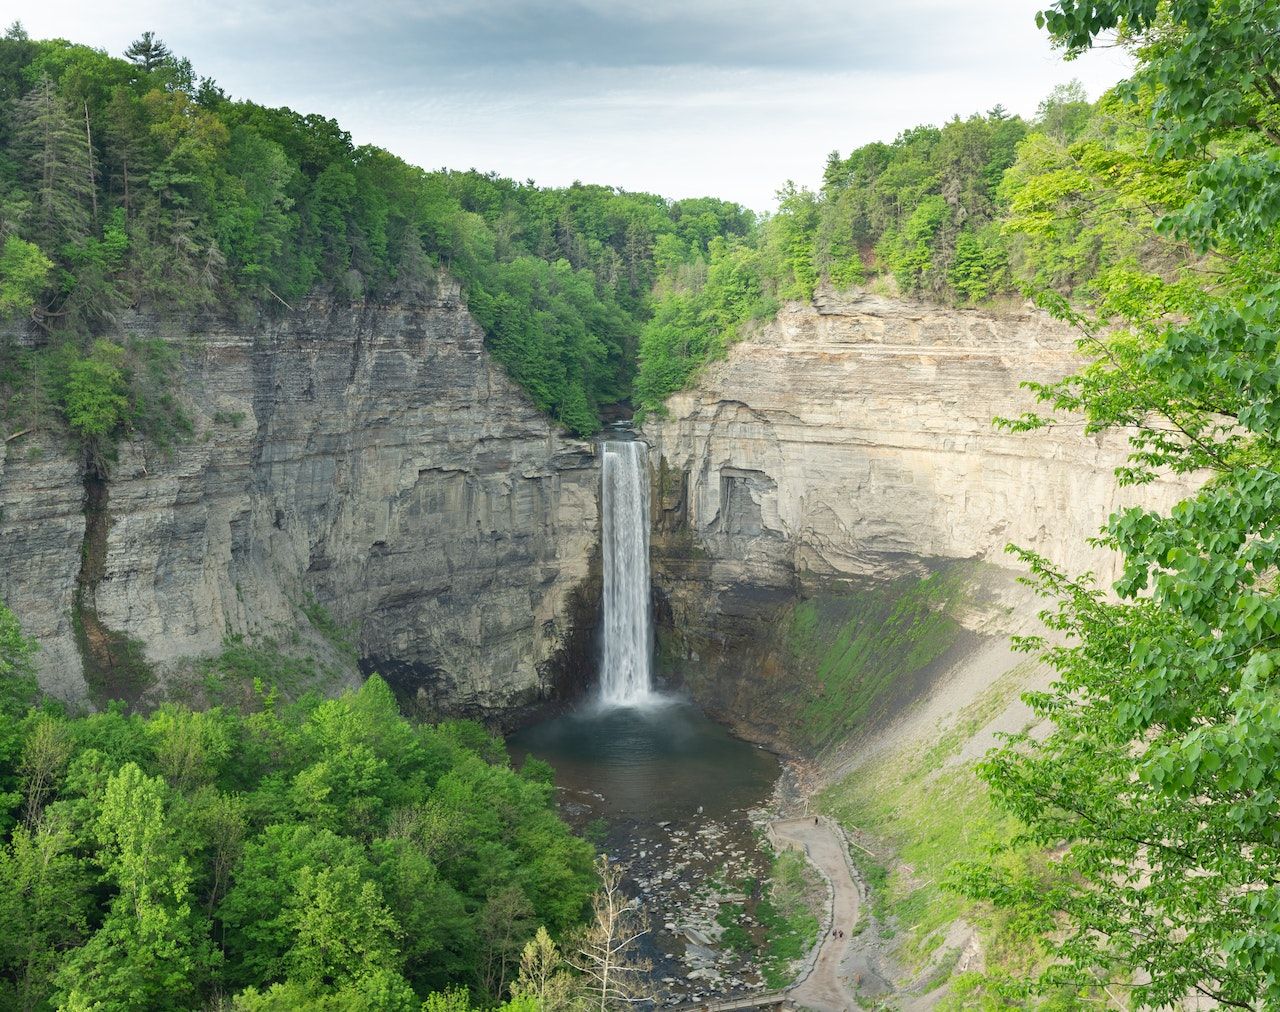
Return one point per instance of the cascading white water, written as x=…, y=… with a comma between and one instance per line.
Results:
x=628, y=635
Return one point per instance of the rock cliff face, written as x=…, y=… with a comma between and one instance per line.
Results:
x=368, y=459
x=852, y=440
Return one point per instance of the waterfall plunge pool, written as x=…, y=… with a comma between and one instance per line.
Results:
x=679, y=803
x=662, y=760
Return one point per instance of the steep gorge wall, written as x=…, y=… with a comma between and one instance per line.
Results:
x=850, y=444
x=371, y=458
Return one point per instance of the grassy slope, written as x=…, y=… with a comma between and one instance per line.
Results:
x=920, y=808
x=866, y=653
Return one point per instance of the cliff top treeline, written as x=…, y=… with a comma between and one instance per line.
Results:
x=988, y=207
x=130, y=182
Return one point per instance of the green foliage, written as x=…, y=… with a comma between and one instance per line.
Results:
x=17, y=672
x=319, y=855
x=1156, y=778
x=924, y=209
x=23, y=270
x=92, y=392
x=868, y=651
x=45, y=890
x=139, y=187
x=101, y=391
x=928, y=809
x=907, y=252
x=152, y=949
x=977, y=268
x=788, y=915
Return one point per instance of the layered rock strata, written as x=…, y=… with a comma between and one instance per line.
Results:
x=371, y=460
x=852, y=440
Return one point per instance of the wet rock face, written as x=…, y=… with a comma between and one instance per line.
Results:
x=369, y=459
x=852, y=440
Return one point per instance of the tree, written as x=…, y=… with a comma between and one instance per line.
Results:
x=341, y=928
x=44, y=909
x=542, y=978
x=56, y=162
x=24, y=270
x=189, y=747
x=45, y=755
x=93, y=394
x=606, y=953
x=152, y=950
x=17, y=669
x=1064, y=111
x=505, y=919
x=261, y=913
x=1156, y=780
x=148, y=53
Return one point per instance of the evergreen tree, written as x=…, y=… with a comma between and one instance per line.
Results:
x=56, y=165
x=148, y=53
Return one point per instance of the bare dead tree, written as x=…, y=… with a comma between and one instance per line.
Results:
x=606, y=954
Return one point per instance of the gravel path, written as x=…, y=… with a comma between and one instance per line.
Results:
x=824, y=989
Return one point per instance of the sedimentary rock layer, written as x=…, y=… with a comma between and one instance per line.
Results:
x=369, y=458
x=853, y=440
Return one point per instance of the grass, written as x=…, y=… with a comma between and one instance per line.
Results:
x=866, y=650
x=244, y=668
x=735, y=937
x=929, y=811
x=340, y=637
x=788, y=916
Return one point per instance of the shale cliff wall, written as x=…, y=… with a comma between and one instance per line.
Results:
x=371, y=459
x=851, y=442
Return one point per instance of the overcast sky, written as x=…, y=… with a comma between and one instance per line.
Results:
x=679, y=97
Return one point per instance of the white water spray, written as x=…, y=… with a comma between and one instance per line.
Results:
x=628, y=634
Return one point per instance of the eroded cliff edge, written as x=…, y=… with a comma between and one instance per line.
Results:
x=834, y=458
x=369, y=459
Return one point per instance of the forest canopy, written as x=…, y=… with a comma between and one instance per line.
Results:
x=319, y=854
x=131, y=182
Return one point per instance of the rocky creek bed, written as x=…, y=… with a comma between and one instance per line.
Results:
x=681, y=806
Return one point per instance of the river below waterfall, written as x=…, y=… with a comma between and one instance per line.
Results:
x=680, y=803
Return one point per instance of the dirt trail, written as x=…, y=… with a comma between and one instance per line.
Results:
x=825, y=990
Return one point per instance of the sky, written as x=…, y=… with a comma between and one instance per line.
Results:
x=728, y=98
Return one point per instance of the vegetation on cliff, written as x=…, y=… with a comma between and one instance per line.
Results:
x=347, y=857
x=1158, y=777
x=1147, y=777
x=988, y=207
x=131, y=182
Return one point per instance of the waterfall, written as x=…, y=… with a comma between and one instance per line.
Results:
x=628, y=637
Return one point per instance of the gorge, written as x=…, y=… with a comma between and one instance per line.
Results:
x=482, y=563
x=459, y=538
x=428, y=591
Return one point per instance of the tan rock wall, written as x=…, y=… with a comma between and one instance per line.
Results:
x=854, y=437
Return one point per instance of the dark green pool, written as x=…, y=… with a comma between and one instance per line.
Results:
x=661, y=761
